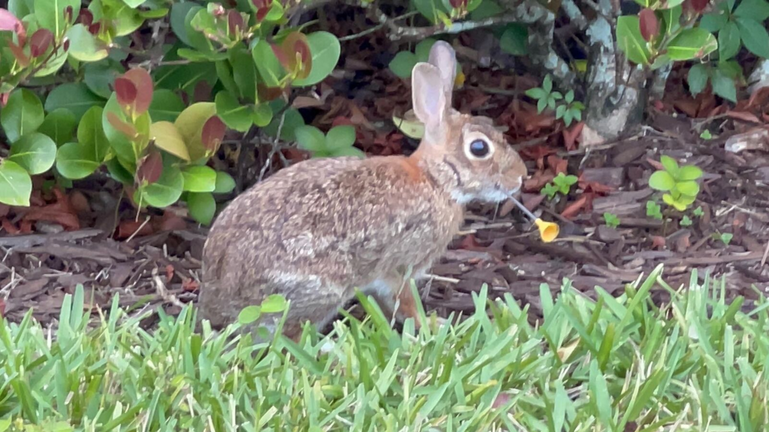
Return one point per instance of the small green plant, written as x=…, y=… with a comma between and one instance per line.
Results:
x=612, y=221
x=653, y=210
x=725, y=238
x=561, y=184
x=568, y=110
x=679, y=183
x=706, y=135
x=686, y=221
x=699, y=212
x=338, y=142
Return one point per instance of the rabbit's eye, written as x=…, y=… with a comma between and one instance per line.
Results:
x=479, y=148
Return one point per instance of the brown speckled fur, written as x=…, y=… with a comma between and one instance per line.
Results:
x=320, y=229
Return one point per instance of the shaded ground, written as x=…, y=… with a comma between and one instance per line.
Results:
x=91, y=236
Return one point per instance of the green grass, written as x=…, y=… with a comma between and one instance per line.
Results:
x=618, y=364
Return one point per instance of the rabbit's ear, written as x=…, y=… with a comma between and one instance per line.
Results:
x=443, y=57
x=429, y=98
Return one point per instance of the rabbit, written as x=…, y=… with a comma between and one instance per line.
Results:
x=318, y=230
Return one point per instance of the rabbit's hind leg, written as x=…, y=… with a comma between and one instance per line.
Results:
x=394, y=292
x=310, y=299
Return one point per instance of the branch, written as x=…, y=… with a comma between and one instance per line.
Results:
x=398, y=32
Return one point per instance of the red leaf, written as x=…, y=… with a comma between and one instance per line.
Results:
x=40, y=42
x=8, y=227
x=189, y=285
x=650, y=26
x=130, y=228
x=18, y=54
x=94, y=28
x=284, y=59
x=699, y=5
x=234, y=22
x=744, y=116
x=4, y=99
x=85, y=17
x=213, y=133
x=558, y=165
x=658, y=242
x=126, y=92
x=172, y=222
x=145, y=87
x=126, y=129
x=61, y=212
x=150, y=169
x=571, y=135
x=9, y=22
x=574, y=208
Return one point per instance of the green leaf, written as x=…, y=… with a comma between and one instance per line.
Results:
x=99, y=77
x=348, y=151
x=728, y=41
x=514, y=39
x=630, y=40
x=90, y=134
x=201, y=18
x=50, y=13
x=662, y=181
x=690, y=188
x=689, y=172
x=274, y=303
x=234, y=114
x=724, y=86
x=671, y=19
x=59, y=125
x=169, y=138
x=267, y=64
x=670, y=164
x=697, y=78
x=325, y=51
x=74, y=161
x=755, y=10
x=536, y=93
x=692, y=43
x=428, y=8
x=74, y=97
x=244, y=73
x=178, y=18
x=23, y=114
x=53, y=64
x=310, y=138
x=199, y=178
x=202, y=207
x=34, y=152
x=165, y=106
x=249, y=314
x=340, y=137
x=403, y=63
x=547, y=84
x=224, y=183
x=754, y=36
x=560, y=111
x=714, y=21
x=15, y=184
x=262, y=115
x=422, y=50
x=190, y=124
x=166, y=190
x=84, y=46
x=292, y=120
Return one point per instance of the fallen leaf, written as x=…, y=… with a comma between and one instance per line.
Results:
x=744, y=116
x=189, y=285
x=658, y=242
x=131, y=228
x=571, y=135
x=574, y=208
x=169, y=272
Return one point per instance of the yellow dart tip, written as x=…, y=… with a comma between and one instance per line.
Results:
x=548, y=231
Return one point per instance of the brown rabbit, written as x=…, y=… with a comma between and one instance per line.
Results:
x=320, y=229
